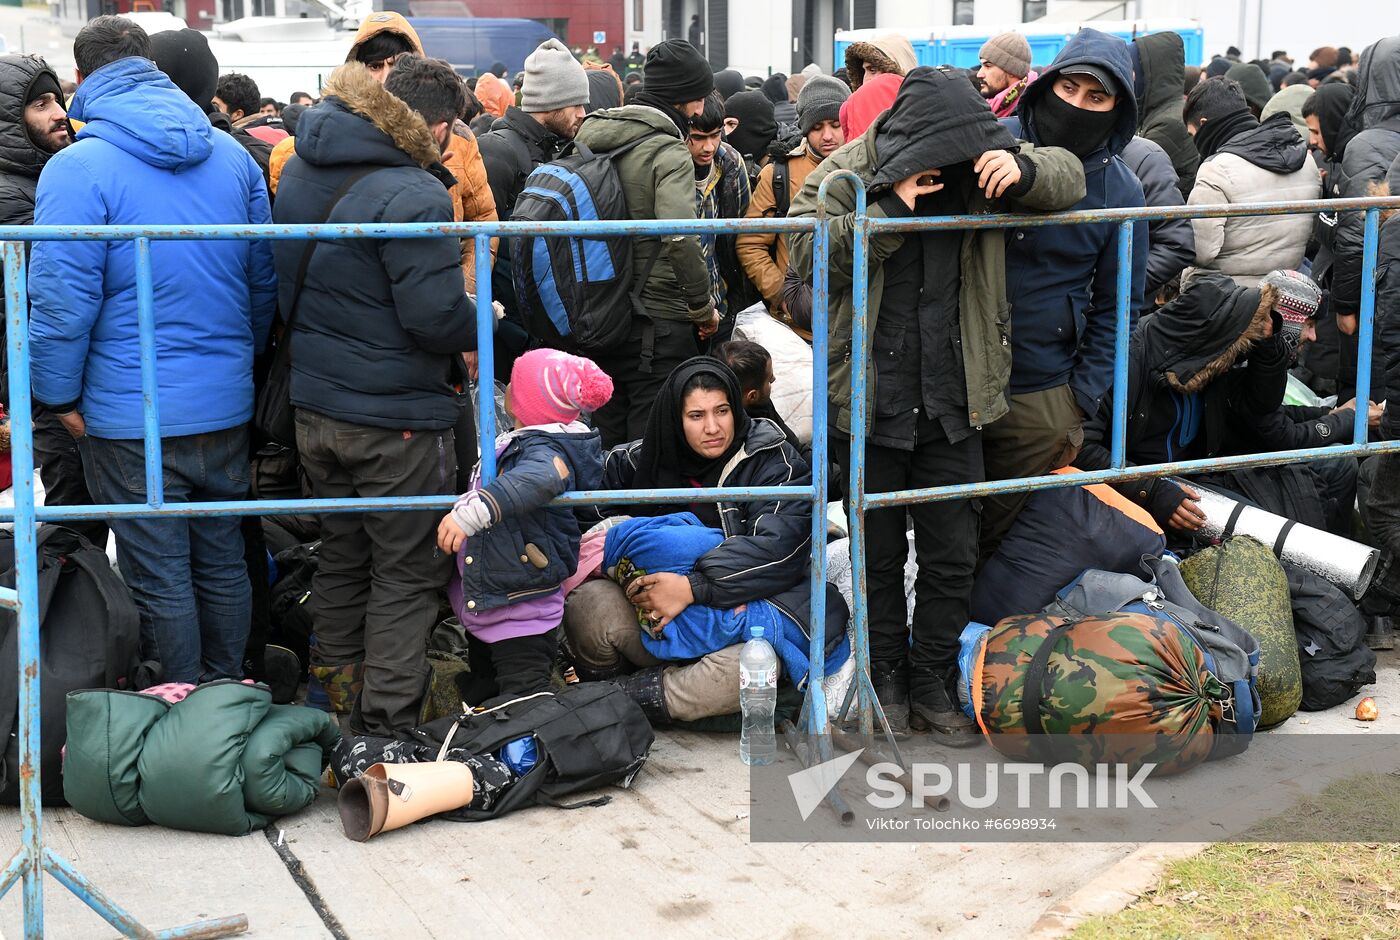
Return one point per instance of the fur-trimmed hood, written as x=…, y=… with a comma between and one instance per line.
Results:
x=384, y=22
x=887, y=54
x=359, y=122
x=1197, y=337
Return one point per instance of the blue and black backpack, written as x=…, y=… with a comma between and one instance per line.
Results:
x=1231, y=652
x=576, y=293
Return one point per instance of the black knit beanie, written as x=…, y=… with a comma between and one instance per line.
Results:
x=677, y=72
x=184, y=56
x=44, y=84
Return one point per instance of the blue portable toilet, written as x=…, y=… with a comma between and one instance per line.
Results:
x=959, y=45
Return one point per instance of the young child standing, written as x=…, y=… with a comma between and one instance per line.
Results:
x=513, y=549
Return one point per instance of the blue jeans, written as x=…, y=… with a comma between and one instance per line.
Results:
x=187, y=575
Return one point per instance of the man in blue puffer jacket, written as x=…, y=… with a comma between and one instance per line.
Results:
x=1061, y=281
x=148, y=156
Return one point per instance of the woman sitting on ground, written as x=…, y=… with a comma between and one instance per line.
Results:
x=698, y=435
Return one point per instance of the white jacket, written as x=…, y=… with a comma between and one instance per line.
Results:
x=1247, y=248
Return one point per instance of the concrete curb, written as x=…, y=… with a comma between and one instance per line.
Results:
x=1122, y=884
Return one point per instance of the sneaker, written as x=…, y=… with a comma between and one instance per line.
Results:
x=891, y=682
x=1380, y=632
x=935, y=708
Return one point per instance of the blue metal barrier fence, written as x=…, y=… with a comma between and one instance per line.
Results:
x=34, y=858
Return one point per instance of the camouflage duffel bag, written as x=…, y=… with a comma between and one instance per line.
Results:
x=1241, y=579
x=1112, y=688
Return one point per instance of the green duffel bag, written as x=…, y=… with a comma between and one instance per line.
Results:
x=223, y=759
x=1241, y=579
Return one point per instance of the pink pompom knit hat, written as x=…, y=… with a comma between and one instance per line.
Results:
x=551, y=387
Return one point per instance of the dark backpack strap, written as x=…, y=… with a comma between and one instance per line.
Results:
x=651, y=262
x=782, y=199
x=1230, y=522
x=1283, y=537
x=1033, y=687
x=544, y=800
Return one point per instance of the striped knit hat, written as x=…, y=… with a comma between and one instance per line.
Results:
x=1298, y=299
x=551, y=387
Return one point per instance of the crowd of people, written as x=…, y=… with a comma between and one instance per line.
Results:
x=991, y=350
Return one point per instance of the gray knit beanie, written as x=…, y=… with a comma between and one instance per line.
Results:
x=554, y=79
x=1009, y=52
x=820, y=100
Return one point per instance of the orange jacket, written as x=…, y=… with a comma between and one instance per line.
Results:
x=765, y=255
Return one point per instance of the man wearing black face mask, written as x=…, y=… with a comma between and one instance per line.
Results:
x=1062, y=280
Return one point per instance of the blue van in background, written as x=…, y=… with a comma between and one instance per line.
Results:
x=473, y=44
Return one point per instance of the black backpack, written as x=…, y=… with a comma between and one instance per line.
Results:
x=576, y=293
x=1331, y=641
x=587, y=736
x=780, y=150
x=89, y=638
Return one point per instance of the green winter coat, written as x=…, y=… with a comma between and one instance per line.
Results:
x=658, y=180
x=223, y=760
x=983, y=309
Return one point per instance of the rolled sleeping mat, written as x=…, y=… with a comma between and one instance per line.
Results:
x=1347, y=564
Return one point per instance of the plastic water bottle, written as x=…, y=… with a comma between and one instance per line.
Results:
x=758, y=697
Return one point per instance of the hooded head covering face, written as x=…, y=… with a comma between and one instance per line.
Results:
x=1194, y=339
x=938, y=119
x=1043, y=113
x=665, y=459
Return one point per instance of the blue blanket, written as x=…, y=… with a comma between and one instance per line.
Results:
x=673, y=543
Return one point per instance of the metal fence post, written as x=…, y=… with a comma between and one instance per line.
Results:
x=150, y=382
x=26, y=587
x=815, y=706
x=485, y=362
x=1124, y=332
x=1366, y=318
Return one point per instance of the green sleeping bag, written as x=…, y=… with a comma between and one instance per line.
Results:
x=1241, y=579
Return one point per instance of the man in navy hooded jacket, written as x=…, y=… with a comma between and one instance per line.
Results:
x=149, y=156
x=1062, y=280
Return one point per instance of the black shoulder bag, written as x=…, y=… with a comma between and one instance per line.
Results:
x=273, y=414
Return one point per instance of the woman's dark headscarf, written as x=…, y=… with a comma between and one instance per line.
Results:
x=665, y=459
